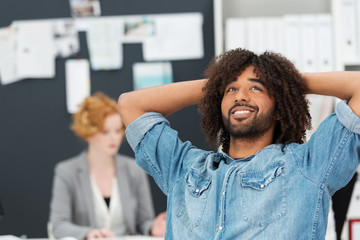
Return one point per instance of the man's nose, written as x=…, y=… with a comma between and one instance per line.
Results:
x=242, y=95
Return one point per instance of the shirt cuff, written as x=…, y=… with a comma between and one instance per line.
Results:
x=137, y=129
x=347, y=117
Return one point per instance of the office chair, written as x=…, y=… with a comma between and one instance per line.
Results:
x=1, y=210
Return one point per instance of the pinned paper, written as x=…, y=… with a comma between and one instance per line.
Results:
x=137, y=29
x=77, y=83
x=105, y=49
x=85, y=8
x=66, y=37
x=177, y=37
x=152, y=74
x=35, y=52
x=8, y=56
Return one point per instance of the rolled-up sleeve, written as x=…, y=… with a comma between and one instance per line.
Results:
x=138, y=128
x=159, y=151
x=347, y=117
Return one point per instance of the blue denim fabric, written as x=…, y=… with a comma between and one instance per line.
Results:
x=282, y=192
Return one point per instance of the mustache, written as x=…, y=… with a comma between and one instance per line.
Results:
x=243, y=105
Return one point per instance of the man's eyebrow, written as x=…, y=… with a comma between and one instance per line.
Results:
x=257, y=80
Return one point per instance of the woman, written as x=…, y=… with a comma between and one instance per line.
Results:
x=100, y=193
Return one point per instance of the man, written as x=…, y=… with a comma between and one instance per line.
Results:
x=265, y=183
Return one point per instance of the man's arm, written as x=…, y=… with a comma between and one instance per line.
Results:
x=344, y=85
x=165, y=99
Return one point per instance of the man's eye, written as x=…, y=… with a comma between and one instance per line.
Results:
x=256, y=88
x=232, y=89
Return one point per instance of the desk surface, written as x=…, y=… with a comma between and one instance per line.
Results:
x=136, y=237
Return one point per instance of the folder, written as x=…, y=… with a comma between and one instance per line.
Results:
x=274, y=34
x=235, y=33
x=255, y=31
x=292, y=39
x=348, y=30
x=324, y=43
x=357, y=24
x=308, y=41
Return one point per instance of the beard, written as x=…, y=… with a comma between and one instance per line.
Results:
x=251, y=130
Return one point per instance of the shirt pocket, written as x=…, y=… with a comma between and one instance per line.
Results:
x=191, y=204
x=263, y=194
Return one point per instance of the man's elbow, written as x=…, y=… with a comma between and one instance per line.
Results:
x=123, y=103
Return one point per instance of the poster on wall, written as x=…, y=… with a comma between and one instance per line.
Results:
x=8, y=55
x=35, y=49
x=85, y=8
x=77, y=75
x=65, y=37
x=103, y=39
x=177, y=37
x=152, y=74
x=137, y=29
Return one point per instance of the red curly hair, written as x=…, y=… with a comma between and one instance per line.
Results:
x=92, y=114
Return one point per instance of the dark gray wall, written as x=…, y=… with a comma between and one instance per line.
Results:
x=34, y=123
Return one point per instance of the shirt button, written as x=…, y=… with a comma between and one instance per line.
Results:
x=262, y=185
x=220, y=228
x=223, y=193
x=197, y=190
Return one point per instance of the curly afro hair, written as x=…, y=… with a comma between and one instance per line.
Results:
x=283, y=82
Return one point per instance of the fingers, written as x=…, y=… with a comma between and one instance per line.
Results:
x=159, y=225
x=107, y=233
x=162, y=215
x=100, y=233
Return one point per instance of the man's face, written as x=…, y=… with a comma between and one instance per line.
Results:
x=247, y=108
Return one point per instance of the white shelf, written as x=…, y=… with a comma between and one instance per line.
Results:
x=224, y=9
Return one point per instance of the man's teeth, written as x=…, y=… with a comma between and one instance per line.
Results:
x=241, y=112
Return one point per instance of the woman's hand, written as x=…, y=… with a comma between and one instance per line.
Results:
x=100, y=233
x=159, y=225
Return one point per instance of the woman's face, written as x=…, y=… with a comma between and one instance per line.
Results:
x=109, y=140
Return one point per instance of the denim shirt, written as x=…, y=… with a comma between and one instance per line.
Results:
x=282, y=192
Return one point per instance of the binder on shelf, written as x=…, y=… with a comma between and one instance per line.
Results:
x=357, y=24
x=255, y=32
x=292, y=39
x=274, y=34
x=348, y=30
x=235, y=33
x=308, y=41
x=324, y=43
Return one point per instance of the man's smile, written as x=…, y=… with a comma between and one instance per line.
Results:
x=241, y=111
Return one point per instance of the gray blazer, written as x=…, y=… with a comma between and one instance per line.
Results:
x=72, y=207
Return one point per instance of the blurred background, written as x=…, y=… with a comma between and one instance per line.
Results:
x=35, y=111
